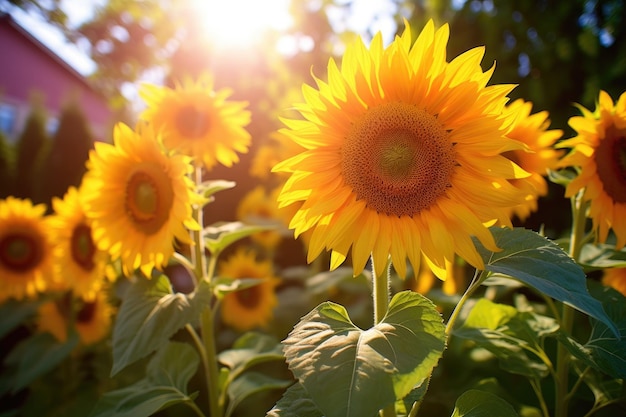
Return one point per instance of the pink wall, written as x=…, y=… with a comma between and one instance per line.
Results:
x=27, y=66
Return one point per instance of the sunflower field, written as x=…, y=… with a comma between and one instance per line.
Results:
x=431, y=223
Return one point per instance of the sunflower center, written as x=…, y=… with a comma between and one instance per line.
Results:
x=82, y=247
x=20, y=252
x=86, y=312
x=149, y=197
x=249, y=298
x=610, y=158
x=191, y=122
x=398, y=158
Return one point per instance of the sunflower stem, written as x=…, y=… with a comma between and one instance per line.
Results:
x=476, y=282
x=207, y=317
x=380, y=295
x=579, y=217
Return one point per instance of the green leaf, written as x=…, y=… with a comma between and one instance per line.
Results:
x=544, y=266
x=36, y=356
x=224, y=285
x=165, y=384
x=149, y=315
x=13, y=313
x=603, y=351
x=208, y=188
x=352, y=372
x=601, y=256
x=475, y=403
x=295, y=402
x=406, y=404
x=510, y=335
x=251, y=383
x=249, y=350
x=222, y=234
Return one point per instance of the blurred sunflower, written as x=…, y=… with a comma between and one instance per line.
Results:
x=251, y=307
x=138, y=199
x=259, y=207
x=403, y=156
x=616, y=278
x=198, y=121
x=93, y=318
x=599, y=152
x=25, y=249
x=540, y=157
x=78, y=263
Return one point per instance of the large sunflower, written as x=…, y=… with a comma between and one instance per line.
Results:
x=403, y=156
x=599, y=152
x=198, y=121
x=138, y=199
x=78, y=263
x=538, y=159
x=25, y=249
x=92, y=318
x=251, y=307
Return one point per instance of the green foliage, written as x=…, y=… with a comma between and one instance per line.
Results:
x=34, y=357
x=31, y=150
x=6, y=167
x=149, y=315
x=544, y=266
x=475, y=403
x=65, y=163
x=223, y=234
x=352, y=372
x=165, y=384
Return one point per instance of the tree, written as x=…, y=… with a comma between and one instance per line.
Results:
x=30, y=151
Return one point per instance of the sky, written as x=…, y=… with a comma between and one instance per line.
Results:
x=360, y=16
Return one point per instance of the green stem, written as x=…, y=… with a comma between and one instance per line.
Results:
x=380, y=295
x=474, y=285
x=567, y=317
x=542, y=403
x=207, y=318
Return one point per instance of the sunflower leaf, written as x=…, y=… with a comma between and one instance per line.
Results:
x=222, y=234
x=295, y=402
x=208, y=188
x=603, y=351
x=543, y=265
x=165, y=384
x=352, y=372
x=601, y=256
x=251, y=383
x=149, y=315
x=476, y=403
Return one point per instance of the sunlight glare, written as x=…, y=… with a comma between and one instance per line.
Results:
x=241, y=23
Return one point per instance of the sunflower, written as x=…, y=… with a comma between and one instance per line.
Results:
x=403, y=156
x=92, y=318
x=615, y=278
x=25, y=249
x=77, y=260
x=599, y=152
x=198, y=121
x=538, y=159
x=250, y=307
x=138, y=199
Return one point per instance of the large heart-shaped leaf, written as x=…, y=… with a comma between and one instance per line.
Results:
x=544, y=266
x=148, y=317
x=349, y=372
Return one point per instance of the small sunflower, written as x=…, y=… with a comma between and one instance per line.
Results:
x=257, y=206
x=599, y=152
x=92, y=321
x=78, y=263
x=615, y=278
x=25, y=249
x=538, y=159
x=138, y=199
x=403, y=156
x=251, y=307
x=198, y=121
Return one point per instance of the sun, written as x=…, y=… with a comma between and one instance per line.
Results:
x=241, y=23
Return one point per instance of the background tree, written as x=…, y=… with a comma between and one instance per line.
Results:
x=6, y=167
